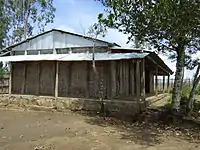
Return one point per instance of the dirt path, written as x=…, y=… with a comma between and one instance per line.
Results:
x=69, y=131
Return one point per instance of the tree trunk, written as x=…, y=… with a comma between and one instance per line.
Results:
x=98, y=81
x=27, y=13
x=177, y=89
x=192, y=93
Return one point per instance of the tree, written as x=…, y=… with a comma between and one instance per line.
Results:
x=191, y=65
x=94, y=31
x=4, y=22
x=27, y=15
x=4, y=28
x=168, y=25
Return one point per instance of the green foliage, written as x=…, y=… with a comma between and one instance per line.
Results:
x=26, y=15
x=198, y=90
x=4, y=23
x=96, y=29
x=3, y=70
x=186, y=91
x=168, y=25
x=165, y=24
x=169, y=103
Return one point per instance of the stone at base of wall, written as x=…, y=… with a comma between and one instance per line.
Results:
x=114, y=107
x=117, y=108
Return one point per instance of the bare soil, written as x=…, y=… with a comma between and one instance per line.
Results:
x=30, y=130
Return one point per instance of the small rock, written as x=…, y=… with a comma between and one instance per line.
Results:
x=21, y=136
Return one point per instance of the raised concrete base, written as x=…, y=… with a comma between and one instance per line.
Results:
x=114, y=107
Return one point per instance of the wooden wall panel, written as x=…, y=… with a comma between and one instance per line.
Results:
x=64, y=81
x=47, y=78
x=78, y=79
x=17, y=78
x=31, y=82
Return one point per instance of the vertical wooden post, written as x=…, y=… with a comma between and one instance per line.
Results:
x=113, y=79
x=87, y=79
x=163, y=84
x=143, y=79
x=156, y=80
x=168, y=84
x=127, y=78
x=56, y=80
x=132, y=77
x=138, y=81
x=24, y=79
x=69, y=69
x=10, y=78
x=38, y=79
x=108, y=86
x=151, y=82
x=121, y=77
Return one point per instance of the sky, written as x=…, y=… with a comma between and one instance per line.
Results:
x=78, y=15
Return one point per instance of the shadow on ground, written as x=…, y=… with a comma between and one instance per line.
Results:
x=150, y=128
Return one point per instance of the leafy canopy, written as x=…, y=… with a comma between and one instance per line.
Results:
x=166, y=24
x=27, y=16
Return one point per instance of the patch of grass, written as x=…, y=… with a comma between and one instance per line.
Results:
x=169, y=104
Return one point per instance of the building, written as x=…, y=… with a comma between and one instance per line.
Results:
x=58, y=63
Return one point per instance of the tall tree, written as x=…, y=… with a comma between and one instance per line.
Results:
x=192, y=64
x=4, y=22
x=4, y=28
x=27, y=16
x=168, y=25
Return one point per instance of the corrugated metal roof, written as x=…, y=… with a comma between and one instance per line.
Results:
x=58, y=30
x=74, y=57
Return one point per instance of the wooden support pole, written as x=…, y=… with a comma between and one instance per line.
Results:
x=156, y=81
x=56, y=80
x=127, y=78
x=113, y=79
x=138, y=81
x=87, y=80
x=24, y=79
x=168, y=84
x=132, y=77
x=163, y=84
x=143, y=79
x=10, y=78
x=151, y=82
x=38, y=79
x=121, y=77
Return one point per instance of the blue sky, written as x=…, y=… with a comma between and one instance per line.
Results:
x=77, y=15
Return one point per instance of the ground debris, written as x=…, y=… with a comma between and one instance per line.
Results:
x=44, y=147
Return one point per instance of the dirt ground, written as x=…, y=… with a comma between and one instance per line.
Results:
x=29, y=130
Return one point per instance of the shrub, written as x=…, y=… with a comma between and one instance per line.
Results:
x=197, y=92
x=186, y=91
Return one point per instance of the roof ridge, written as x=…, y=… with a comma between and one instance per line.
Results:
x=58, y=30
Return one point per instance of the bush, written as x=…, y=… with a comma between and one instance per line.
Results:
x=186, y=91
x=197, y=92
